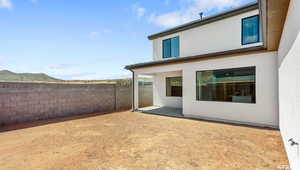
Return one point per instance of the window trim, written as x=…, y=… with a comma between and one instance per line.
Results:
x=258, y=28
x=197, y=97
x=171, y=46
x=167, y=86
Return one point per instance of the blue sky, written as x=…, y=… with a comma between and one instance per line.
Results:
x=89, y=39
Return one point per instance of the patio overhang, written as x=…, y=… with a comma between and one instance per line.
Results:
x=259, y=48
x=154, y=73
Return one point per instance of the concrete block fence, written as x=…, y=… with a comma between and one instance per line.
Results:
x=23, y=102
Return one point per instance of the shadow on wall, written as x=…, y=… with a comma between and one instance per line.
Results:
x=289, y=97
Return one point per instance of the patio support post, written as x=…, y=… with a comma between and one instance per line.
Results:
x=135, y=90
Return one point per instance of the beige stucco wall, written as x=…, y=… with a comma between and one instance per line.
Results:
x=218, y=36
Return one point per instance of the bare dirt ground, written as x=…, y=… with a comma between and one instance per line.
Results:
x=127, y=140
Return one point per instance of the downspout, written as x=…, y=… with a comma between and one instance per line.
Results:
x=133, y=89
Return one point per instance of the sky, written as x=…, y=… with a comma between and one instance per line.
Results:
x=90, y=39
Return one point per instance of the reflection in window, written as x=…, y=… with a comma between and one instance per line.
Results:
x=171, y=47
x=228, y=85
x=250, y=30
x=174, y=86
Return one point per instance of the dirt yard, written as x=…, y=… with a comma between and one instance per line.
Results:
x=129, y=140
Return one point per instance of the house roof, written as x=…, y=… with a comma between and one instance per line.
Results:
x=230, y=13
x=207, y=20
x=192, y=58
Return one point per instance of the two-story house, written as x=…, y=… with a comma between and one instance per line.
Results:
x=241, y=66
x=222, y=67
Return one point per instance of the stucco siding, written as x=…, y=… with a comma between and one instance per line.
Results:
x=218, y=36
x=289, y=83
x=264, y=112
x=159, y=91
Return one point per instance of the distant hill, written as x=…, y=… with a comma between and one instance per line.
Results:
x=123, y=82
x=8, y=76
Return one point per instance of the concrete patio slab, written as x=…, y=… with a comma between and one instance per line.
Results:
x=164, y=111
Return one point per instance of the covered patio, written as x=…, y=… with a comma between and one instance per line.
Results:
x=167, y=91
x=164, y=111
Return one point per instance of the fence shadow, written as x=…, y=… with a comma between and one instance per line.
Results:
x=18, y=126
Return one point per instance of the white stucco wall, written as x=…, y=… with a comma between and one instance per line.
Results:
x=218, y=36
x=159, y=91
x=289, y=83
x=264, y=112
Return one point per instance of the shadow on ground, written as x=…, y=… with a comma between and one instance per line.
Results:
x=36, y=123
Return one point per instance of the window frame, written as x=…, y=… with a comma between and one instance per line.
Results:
x=167, y=86
x=170, y=39
x=197, y=90
x=258, y=28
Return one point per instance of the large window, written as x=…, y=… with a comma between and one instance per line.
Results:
x=171, y=47
x=250, y=30
x=228, y=85
x=174, y=86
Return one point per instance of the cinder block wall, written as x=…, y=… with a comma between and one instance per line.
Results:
x=123, y=97
x=23, y=102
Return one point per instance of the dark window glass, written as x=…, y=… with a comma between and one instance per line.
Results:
x=228, y=85
x=175, y=47
x=171, y=47
x=174, y=86
x=250, y=30
x=167, y=48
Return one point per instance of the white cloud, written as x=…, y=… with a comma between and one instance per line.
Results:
x=106, y=31
x=77, y=72
x=63, y=70
x=6, y=4
x=190, y=10
x=95, y=34
x=139, y=11
x=34, y=1
x=5, y=62
x=102, y=76
x=169, y=19
x=1, y=62
x=167, y=2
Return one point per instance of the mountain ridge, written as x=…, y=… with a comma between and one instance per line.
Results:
x=9, y=76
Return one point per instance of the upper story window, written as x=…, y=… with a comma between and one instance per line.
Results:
x=250, y=30
x=171, y=47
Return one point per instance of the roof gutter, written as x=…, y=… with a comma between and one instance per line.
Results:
x=197, y=57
